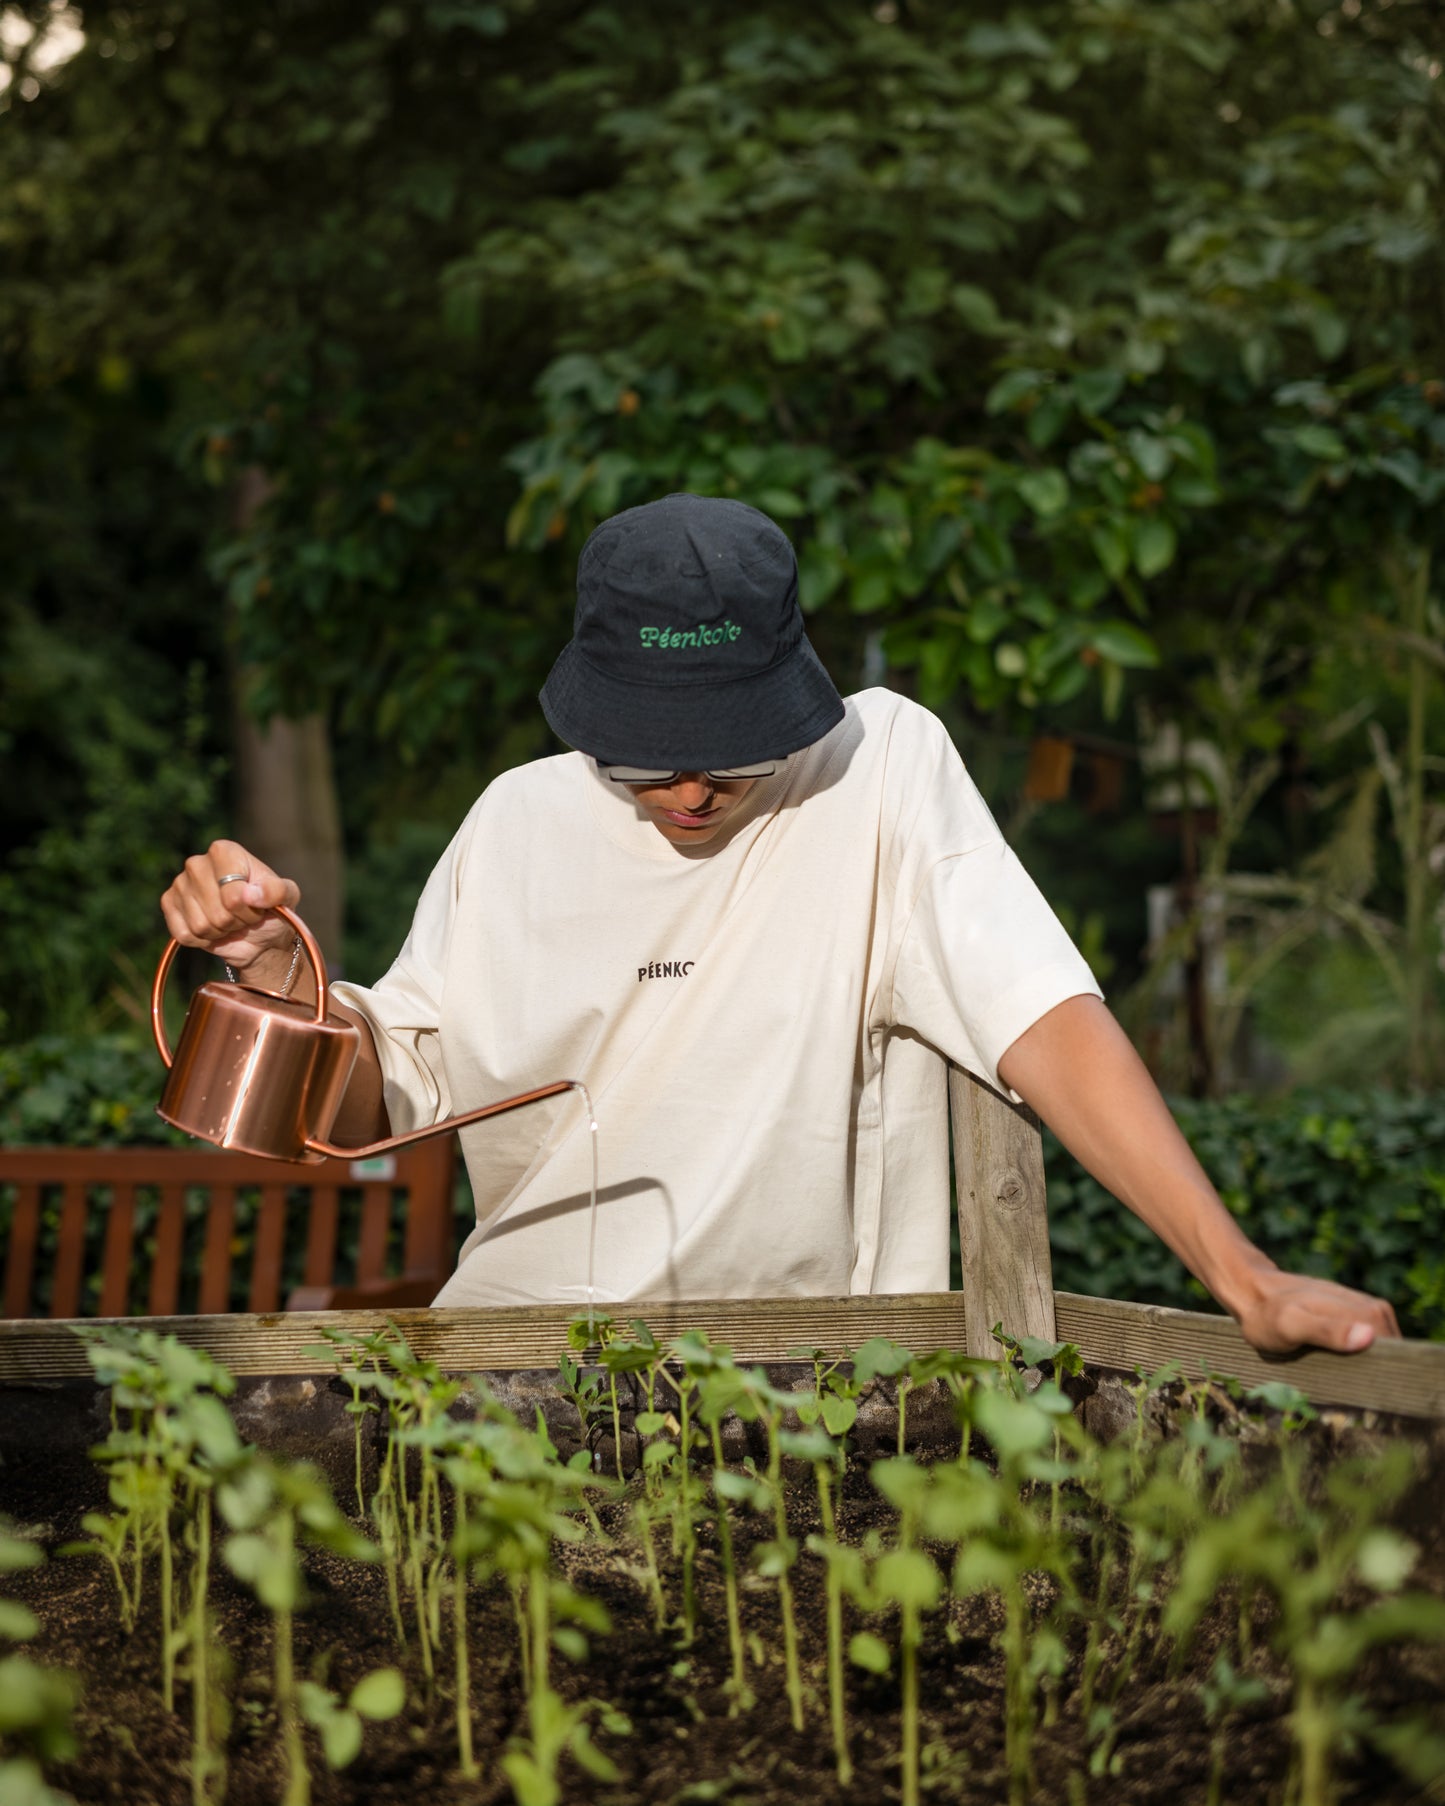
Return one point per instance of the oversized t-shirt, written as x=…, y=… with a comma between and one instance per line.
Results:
x=764, y=1023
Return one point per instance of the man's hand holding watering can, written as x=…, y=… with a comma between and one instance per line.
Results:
x=223, y=902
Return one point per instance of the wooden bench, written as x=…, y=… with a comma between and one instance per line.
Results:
x=104, y=1197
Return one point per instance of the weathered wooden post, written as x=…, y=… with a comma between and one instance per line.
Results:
x=1003, y=1219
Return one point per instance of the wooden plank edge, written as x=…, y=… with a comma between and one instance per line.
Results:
x=513, y=1337
x=1405, y=1378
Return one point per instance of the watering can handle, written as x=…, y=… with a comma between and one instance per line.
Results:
x=158, y=984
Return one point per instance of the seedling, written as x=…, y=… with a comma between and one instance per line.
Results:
x=409, y=1526
x=510, y=1526
x=817, y=1447
x=350, y=1351
x=583, y=1387
x=686, y=1352
x=834, y=1403
x=1305, y=1556
x=1014, y=1541
x=164, y=1468
x=776, y=1558
x=1222, y=1695
x=877, y=1356
x=620, y=1357
x=271, y=1507
x=907, y=1578
x=723, y=1389
x=36, y=1703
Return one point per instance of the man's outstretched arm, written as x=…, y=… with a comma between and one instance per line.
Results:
x=1078, y=1069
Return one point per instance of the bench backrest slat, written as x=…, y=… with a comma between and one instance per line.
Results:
x=20, y=1252
x=165, y=1286
x=322, y=1223
x=70, y=1251
x=214, y=1296
x=119, y=1253
x=375, y=1228
x=270, y=1250
x=430, y=1230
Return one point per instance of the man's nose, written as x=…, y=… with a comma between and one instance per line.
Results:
x=694, y=790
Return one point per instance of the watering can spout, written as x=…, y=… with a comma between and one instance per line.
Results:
x=263, y=1074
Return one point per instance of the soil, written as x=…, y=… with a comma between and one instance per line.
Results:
x=684, y=1745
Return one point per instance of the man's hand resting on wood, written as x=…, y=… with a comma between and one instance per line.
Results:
x=1078, y=1069
x=1295, y=1308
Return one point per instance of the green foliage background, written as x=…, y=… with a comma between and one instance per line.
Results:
x=1078, y=346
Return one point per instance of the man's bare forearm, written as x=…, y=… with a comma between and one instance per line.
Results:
x=1078, y=1069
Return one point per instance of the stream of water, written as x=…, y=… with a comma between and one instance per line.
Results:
x=577, y=1085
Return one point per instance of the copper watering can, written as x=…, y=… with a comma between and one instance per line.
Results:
x=264, y=1074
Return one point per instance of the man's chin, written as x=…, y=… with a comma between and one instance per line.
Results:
x=681, y=836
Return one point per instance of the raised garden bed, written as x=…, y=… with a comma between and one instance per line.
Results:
x=1082, y=1587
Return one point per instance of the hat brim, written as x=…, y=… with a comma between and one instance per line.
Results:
x=692, y=726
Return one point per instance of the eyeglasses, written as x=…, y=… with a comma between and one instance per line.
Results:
x=639, y=774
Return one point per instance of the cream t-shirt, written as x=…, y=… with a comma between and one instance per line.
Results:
x=764, y=1024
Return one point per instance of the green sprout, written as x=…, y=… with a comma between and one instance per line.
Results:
x=163, y=1469
x=270, y=1508
x=37, y=1703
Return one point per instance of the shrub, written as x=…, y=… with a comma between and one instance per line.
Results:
x=82, y=1091
x=1346, y=1184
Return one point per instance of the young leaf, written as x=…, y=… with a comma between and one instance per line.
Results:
x=870, y=1652
x=17, y=1622
x=16, y=1553
x=340, y=1738
x=1384, y=1560
x=275, y=1580
x=839, y=1414
x=380, y=1694
x=591, y=1758
x=879, y=1355
x=908, y=1577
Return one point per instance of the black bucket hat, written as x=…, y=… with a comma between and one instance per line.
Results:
x=688, y=651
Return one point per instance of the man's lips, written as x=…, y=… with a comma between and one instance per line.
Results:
x=683, y=819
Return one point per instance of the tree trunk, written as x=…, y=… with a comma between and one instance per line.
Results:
x=287, y=810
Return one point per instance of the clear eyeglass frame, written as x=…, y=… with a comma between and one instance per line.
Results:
x=643, y=775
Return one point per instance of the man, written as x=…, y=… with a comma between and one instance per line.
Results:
x=757, y=922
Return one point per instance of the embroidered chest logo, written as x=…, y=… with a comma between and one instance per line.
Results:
x=665, y=968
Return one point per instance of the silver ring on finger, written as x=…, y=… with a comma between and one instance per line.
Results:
x=233, y=878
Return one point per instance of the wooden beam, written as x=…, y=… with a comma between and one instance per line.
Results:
x=1404, y=1378
x=1003, y=1219
x=1401, y=1378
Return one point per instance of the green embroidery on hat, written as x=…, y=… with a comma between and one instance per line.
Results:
x=676, y=639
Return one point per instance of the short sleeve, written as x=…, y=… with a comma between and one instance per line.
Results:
x=403, y=1008
x=982, y=958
